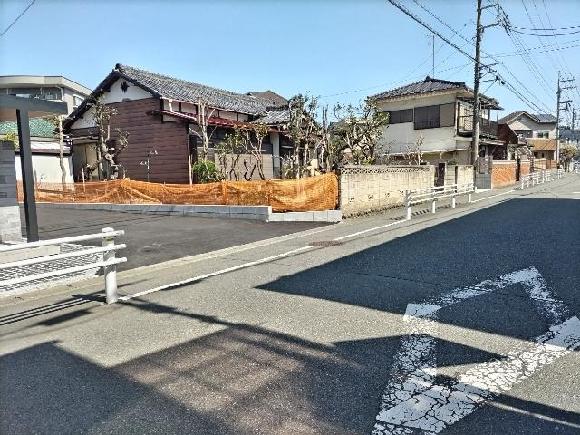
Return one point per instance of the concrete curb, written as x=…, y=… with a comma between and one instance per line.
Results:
x=260, y=212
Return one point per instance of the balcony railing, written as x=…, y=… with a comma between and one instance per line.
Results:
x=486, y=127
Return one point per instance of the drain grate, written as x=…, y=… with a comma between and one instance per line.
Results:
x=325, y=243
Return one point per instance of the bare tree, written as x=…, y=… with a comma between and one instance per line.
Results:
x=102, y=115
x=414, y=152
x=204, y=113
x=56, y=121
x=359, y=130
x=304, y=132
x=260, y=131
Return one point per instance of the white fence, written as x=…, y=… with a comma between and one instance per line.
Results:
x=434, y=194
x=108, y=263
x=540, y=177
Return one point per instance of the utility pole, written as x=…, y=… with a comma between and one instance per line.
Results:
x=433, y=55
x=573, y=119
x=477, y=76
x=559, y=102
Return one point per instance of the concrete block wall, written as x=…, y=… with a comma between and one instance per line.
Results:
x=376, y=187
x=9, y=211
x=464, y=174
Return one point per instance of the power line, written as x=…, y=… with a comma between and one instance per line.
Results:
x=533, y=69
x=502, y=80
x=17, y=18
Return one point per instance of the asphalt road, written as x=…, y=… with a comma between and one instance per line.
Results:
x=152, y=239
x=294, y=338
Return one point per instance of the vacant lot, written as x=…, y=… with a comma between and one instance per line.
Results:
x=153, y=239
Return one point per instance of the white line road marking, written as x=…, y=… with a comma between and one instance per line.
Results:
x=493, y=196
x=368, y=230
x=412, y=400
x=216, y=273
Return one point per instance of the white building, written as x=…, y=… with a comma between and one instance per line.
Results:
x=437, y=115
x=53, y=88
x=44, y=143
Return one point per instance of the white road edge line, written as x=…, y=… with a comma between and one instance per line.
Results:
x=368, y=230
x=216, y=273
x=493, y=196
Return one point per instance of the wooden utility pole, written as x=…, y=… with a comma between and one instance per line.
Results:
x=477, y=76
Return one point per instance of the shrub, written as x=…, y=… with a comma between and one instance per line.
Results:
x=205, y=171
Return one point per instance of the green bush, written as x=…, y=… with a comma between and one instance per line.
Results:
x=205, y=171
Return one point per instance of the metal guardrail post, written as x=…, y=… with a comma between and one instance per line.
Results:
x=408, y=204
x=453, y=203
x=433, y=206
x=110, y=272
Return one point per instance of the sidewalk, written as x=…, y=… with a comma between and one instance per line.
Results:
x=363, y=228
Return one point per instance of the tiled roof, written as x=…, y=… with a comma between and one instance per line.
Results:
x=274, y=117
x=426, y=86
x=272, y=98
x=545, y=118
x=176, y=89
x=541, y=118
x=38, y=127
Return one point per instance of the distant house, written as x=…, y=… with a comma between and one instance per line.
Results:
x=439, y=115
x=539, y=132
x=45, y=151
x=53, y=88
x=531, y=126
x=159, y=112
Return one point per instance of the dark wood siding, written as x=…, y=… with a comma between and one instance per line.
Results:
x=147, y=132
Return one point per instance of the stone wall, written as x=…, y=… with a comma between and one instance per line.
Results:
x=376, y=187
x=9, y=210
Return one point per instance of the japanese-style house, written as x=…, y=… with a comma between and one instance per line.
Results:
x=160, y=114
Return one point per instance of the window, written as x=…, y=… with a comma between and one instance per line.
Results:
x=399, y=116
x=77, y=100
x=542, y=134
x=427, y=117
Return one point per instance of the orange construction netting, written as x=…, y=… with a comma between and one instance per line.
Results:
x=307, y=194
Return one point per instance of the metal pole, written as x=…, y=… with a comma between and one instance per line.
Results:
x=408, y=204
x=27, y=175
x=110, y=272
x=433, y=206
x=558, y=92
x=453, y=204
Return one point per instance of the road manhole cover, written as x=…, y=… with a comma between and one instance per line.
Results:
x=325, y=243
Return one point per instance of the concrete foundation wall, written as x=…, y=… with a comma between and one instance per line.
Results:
x=376, y=187
x=9, y=210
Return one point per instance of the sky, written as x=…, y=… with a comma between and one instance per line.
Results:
x=338, y=50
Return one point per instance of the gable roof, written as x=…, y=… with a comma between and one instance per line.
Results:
x=423, y=87
x=163, y=86
x=540, y=118
x=272, y=98
x=428, y=86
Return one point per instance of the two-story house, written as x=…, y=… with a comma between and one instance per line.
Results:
x=437, y=116
x=160, y=113
x=539, y=132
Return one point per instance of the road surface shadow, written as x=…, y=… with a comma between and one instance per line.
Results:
x=242, y=379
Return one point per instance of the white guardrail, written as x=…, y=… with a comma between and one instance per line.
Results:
x=540, y=177
x=109, y=261
x=434, y=194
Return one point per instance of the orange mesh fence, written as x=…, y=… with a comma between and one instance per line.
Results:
x=307, y=194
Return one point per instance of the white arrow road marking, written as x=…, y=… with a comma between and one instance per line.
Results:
x=413, y=401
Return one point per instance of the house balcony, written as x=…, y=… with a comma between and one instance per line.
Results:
x=487, y=128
